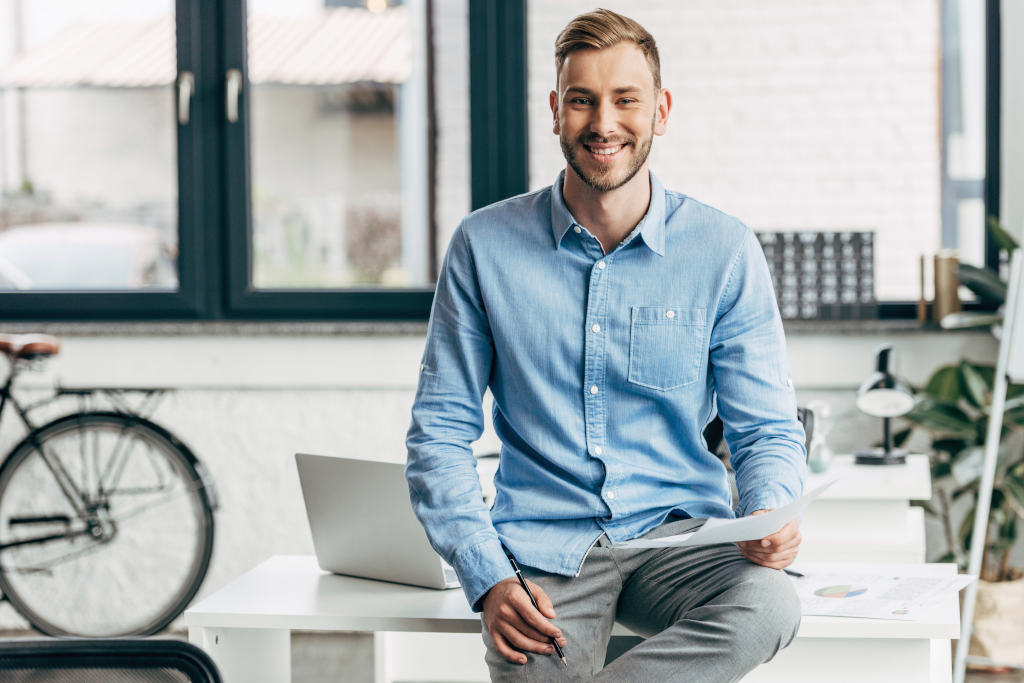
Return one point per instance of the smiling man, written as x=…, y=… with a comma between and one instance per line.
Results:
x=611, y=319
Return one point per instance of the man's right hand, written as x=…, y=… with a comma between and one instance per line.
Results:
x=515, y=626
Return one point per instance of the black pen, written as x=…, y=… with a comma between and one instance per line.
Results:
x=522, y=582
x=793, y=573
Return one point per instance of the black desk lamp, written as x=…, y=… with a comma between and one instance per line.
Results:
x=884, y=395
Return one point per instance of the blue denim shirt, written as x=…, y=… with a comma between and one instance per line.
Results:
x=605, y=369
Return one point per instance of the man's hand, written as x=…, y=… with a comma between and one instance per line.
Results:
x=515, y=625
x=776, y=551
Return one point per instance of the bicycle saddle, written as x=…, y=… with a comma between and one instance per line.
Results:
x=29, y=345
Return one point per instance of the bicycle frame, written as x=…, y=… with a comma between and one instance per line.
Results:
x=76, y=498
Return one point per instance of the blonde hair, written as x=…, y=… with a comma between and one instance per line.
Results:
x=603, y=28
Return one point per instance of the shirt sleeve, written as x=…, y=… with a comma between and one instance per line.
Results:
x=447, y=416
x=755, y=395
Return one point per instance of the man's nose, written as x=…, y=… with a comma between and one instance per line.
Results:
x=603, y=121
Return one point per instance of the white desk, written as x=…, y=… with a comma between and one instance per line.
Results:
x=245, y=627
x=866, y=516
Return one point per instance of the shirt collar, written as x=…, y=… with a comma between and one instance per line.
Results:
x=651, y=226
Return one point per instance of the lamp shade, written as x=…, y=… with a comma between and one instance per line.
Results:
x=883, y=394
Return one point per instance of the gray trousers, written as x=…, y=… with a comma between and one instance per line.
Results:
x=708, y=614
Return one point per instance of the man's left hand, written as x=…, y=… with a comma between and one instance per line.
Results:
x=777, y=550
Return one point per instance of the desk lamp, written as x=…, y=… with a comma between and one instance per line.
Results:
x=884, y=395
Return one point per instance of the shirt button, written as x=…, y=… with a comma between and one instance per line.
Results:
x=789, y=382
x=670, y=314
x=596, y=328
x=610, y=495
x=577, y=230
x=593, y=389
x=598, y=450
x=600, y=264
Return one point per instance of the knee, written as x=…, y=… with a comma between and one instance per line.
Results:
x=777, y=613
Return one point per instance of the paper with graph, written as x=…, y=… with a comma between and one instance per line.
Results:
x=860, y=593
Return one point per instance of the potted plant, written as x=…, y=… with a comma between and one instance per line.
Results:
x=953, y=407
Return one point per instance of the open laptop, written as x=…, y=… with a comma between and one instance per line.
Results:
x=363, y=524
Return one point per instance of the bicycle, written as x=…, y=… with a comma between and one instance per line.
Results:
x=99, y=510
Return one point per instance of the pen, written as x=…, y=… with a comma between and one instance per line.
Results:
x=533, y=601
x=793, y=573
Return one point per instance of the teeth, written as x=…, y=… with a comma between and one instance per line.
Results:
x=606, y=151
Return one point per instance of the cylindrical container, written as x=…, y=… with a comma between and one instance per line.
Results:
x=947, y=299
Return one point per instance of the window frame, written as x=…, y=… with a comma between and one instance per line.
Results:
x=214, y=252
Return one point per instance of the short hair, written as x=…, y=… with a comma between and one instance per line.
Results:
x=603, y=28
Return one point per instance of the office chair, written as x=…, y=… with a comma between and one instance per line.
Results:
x=98, y=660
x=713, y=433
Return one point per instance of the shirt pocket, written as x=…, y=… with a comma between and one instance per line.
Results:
x=666, y=344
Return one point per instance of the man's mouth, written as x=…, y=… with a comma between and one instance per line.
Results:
x=604, y=151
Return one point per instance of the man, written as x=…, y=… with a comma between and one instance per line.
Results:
x=610, y=319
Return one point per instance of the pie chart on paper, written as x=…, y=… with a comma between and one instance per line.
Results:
x=840, y=591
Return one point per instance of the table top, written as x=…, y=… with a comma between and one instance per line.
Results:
x=909, y=481
x=292, y=592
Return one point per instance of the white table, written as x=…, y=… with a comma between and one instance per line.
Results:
x=866, y=516
x=246, y=625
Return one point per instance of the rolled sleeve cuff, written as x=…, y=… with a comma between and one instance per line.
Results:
x=767, y=497
x=479, y=567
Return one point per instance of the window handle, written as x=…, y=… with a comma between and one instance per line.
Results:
x=186, y=88
x=232, y=90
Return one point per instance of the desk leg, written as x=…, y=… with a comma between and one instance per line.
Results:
x=247, y=655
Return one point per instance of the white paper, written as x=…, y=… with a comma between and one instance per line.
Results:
x=747, y=528
x=876, y=596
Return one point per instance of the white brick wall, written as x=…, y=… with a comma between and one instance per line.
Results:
x=793, y=114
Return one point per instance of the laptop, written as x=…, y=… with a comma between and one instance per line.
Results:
x=363, y=524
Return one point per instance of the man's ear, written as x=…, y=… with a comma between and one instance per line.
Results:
x=661, y=112
x=553, y=100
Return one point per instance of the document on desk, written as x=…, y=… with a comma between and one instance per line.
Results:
x=860, y=593
x=747, y=528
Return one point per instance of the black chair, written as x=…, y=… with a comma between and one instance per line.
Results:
x=713, y=433
x=99, y=660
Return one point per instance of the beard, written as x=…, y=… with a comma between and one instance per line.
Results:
x=602, y=179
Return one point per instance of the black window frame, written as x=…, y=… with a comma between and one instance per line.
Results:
x=215, y=226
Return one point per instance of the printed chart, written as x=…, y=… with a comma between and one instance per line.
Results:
x=876, y=596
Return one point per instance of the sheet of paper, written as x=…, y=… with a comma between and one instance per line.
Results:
x=875, y=596
x=732, y=530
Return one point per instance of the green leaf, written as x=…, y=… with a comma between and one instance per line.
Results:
x=976, y=390
x=942, y=417
x=1014, y=418
x=968, y=465
x=949, y=445
x=900, y=437
x=944, y=383
x=1000, y=235
x=1015, y=490
x=983, y=282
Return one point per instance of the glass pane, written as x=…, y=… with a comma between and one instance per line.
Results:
x=88, y=164
x=339, y=135
x=820, y=116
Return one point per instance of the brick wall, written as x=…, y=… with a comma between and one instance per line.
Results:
x=793, y=114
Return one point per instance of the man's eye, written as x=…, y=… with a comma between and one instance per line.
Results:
x=627, y=100
x=580, y=100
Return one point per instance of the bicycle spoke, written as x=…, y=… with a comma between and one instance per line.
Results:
x=145, y=502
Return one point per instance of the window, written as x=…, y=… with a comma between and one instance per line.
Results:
x=182, y=159
x=230, y=159
x=88, y=164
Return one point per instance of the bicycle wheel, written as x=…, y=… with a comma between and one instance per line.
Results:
x=132, y=550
